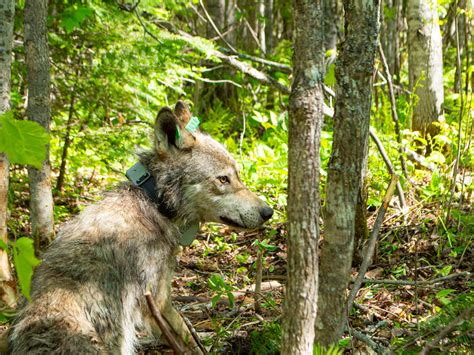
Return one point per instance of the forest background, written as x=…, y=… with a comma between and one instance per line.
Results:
x=114, y=64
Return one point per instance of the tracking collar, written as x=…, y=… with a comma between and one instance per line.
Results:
x=140, y=177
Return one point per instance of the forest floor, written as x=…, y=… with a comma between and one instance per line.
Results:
x=419, y=280
x=417, y=275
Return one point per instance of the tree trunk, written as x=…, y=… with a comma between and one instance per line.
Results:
x=390, y=36
x=330, y=24
x=216, y=9
x=305, y=119
x=67, y=142
x=269, y=26
x=39, y=110
x=7, y=15
x=425, y=64
x=261, y=26
x=354, y=73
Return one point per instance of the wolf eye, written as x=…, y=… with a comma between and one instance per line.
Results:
x=223, y=179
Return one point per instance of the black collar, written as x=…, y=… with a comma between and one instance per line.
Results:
x=140, y=177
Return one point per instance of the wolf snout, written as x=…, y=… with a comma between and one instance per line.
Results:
x=266, y=213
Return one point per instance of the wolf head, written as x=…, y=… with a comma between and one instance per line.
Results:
x=197, y=179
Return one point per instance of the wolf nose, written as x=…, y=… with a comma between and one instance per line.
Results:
x=266, y=213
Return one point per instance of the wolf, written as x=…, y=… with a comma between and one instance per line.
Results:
x=87, y=296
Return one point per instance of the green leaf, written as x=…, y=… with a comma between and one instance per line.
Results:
x=330, y=79
x=73, y=18
x=215, y=299
x=3, y=245
x=24, y=142
x=25, y=260
x=231, y=298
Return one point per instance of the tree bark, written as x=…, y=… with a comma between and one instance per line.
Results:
x=425, y=64
x=67, y=142
x=305, y=119
x=39, y=110
x=354, y=73
x=330, y=24
x=7, y=16
x=390, y=36
x=261, y=24
x=269, y=26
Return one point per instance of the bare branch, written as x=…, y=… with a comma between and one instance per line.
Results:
x=372, y=241
x=465, y=315
x=209, y=19
x=417, y=283
x=175, y=343
x=390, y=168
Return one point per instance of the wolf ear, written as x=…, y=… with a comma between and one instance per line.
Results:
x=181, y=110
x=170, y=133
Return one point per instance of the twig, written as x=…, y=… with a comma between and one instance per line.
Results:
x=372, y=241
x=194, y=334
x=206, y=80
x=461, y=112
x=145, y=29
x=390, y=168
x=419, y=283
x=242, y=134
x=465, y=315
x=393, y=106
x=364, y=338
x=175, y=343
x=258, y=280
x=279, y=66
x=215, y=27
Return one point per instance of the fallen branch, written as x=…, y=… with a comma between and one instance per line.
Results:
x=372, y=241
x=388, y=163
x=175, y=343
x=284, y=68
x=418, y=283
x=364, y=338
x=467, y=314
x=194, y=334
x=232, y=60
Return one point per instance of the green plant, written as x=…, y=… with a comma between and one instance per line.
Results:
x=221, y=288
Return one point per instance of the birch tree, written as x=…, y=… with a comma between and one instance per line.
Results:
x=39, y=110
x=7, y=14
x=305, y=117
x=425, y=64
x=354, y=79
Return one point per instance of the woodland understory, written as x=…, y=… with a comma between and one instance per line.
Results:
x=114, y=64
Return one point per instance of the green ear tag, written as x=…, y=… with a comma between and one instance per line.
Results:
x=189, y=234
x=193, y=124
x=178, y=134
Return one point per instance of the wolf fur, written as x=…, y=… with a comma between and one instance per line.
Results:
x=87, y=295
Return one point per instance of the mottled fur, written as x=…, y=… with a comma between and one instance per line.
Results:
x=88, y=293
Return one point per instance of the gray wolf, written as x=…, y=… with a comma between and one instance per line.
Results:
x=88, y=293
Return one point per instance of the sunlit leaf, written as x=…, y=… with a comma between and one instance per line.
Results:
x=25, y=261
x=24, y=142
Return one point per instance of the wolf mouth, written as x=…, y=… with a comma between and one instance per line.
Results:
x=231, y=222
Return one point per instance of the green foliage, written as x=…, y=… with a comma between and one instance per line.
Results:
x=221, y=288
x=267, y=340
x=24, y=260
x=24, y=142
x=74, y=16
x=331, y=350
